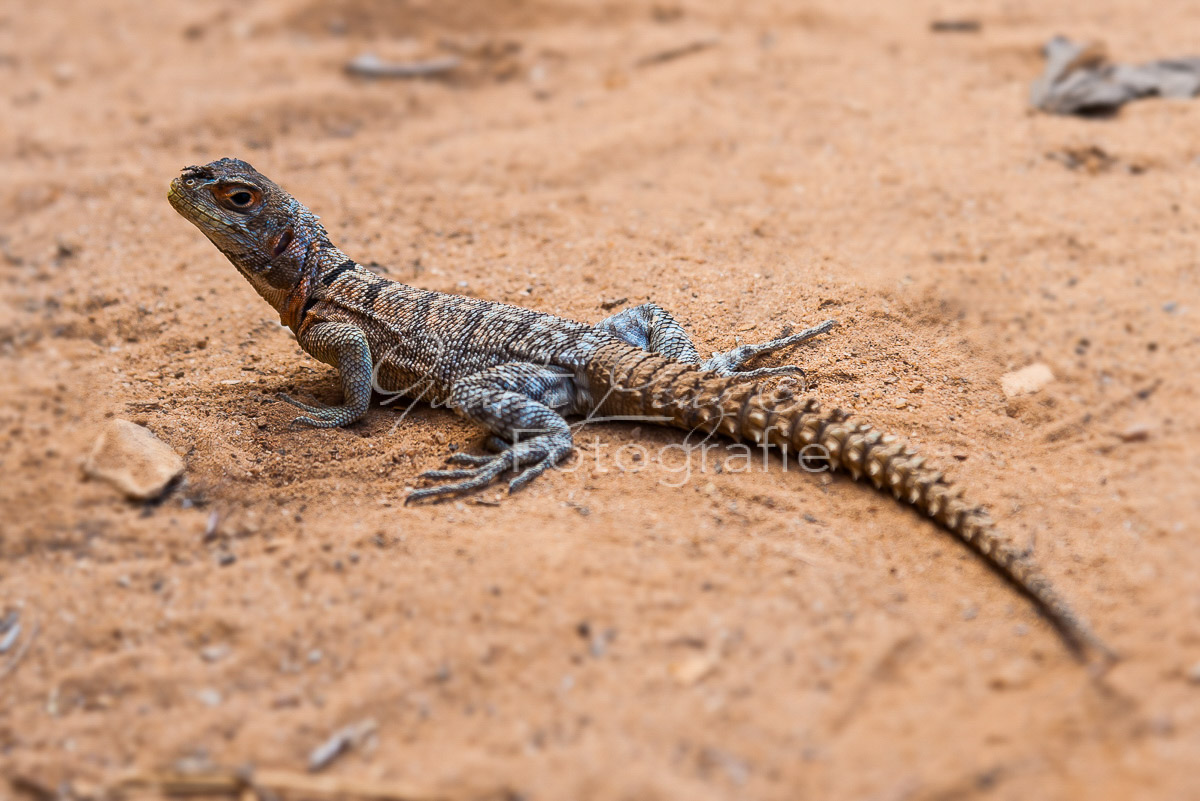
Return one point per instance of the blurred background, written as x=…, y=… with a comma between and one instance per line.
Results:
x=746, y=165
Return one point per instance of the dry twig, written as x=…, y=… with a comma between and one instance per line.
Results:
x=678, y=52
x=263, y=783
x=369, y=65
x=21, y=651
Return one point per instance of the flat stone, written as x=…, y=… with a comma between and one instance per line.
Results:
x=1026, y=381
x=133, y=460
x=1138, y=432
x=215, y=653
x=691, y=670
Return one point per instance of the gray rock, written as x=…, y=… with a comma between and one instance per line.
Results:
x=133, y=460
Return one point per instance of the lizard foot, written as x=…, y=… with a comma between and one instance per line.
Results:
x=540, y=453
x=730, y=361
x=322, y=416
x=493, y=443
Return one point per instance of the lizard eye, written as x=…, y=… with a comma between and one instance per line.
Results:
x=239, y=197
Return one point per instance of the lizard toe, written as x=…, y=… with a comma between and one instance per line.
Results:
x=306, y=407
x=437, y=475
x=529, y=474
x=468, y=479
x=767, y=372
x=316, y=422
x=729, y=363
x=549, y=459
x=469, y=458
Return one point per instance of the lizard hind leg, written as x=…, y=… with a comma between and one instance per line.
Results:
x=652, y=328
x=519, y=404
x=730, y=362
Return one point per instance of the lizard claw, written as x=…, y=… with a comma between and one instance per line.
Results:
x=540, y=453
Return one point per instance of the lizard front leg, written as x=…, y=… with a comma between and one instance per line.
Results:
x=345, y=347
x=521, y=405
x=652, y=328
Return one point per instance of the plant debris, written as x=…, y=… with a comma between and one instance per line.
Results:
x=369, y=65
x=339, y=743
x=266, y=783
x=670, y=54
x=956, y=26
x=1079, y=79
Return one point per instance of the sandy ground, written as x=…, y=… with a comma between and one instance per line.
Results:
x=616, y=631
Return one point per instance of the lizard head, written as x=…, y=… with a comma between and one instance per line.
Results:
x=259, y=227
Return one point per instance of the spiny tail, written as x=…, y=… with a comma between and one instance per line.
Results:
x=629, y=381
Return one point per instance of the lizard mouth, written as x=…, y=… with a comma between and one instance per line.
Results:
x=173, y=193
x=177, y=196
x=187, y=177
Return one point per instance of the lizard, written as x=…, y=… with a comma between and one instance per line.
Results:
x=520, y=373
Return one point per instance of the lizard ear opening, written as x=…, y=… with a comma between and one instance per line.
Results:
x=282, y=242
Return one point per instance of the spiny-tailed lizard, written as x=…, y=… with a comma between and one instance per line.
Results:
x=520, y=373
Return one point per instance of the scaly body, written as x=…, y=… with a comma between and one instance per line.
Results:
x=520, y=373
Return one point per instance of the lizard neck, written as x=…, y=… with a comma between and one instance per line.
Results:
x=320, y=264
x=284, y=256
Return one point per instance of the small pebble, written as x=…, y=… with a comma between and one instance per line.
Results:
x=1026, y=381
x=1161, y=725
x=1011, y=676
x=598, y=646
x=694, y=668
x=210, y=528
x=209, y=697
x=1139, y=432
x=215, y=653
x=10, y=630
x=1193, y=674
